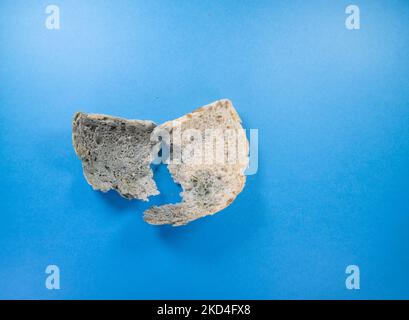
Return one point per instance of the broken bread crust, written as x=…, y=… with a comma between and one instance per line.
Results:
x=207, y=188
x=115, y=154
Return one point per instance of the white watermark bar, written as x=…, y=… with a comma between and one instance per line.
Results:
x=193, y=147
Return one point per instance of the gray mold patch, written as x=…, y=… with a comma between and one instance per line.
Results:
x=115, y=154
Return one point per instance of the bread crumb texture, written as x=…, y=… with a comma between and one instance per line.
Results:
x=117, y=153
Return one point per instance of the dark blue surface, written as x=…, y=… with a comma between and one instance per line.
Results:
x=331, y=106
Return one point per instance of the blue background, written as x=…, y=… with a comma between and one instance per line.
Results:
x=331, y=106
